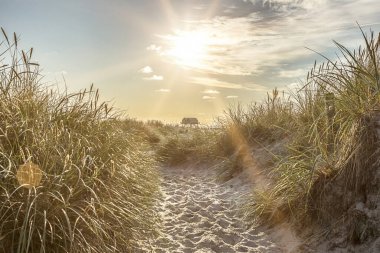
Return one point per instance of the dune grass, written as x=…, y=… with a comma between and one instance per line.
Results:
x=98, y=179
x=330, y=140
x=98, y=182
x=185, y=144
x=266, y=121
x=256, y=125
x=147, y=132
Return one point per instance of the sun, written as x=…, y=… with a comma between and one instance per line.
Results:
x=189, y=49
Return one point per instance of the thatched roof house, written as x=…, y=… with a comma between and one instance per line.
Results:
x=190, y=121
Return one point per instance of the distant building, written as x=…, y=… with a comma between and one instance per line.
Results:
x=190, y=121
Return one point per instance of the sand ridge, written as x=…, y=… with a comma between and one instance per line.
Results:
x=200, y=215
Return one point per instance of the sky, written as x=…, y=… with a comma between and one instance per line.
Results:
x=168, y=59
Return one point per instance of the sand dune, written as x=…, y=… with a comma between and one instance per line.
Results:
x=200, y=215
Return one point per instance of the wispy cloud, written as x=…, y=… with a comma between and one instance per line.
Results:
x=153, y=47
x=146, y=70
x=211, y=82
x=306, y=4
x=208, y=97
x=274, y=34
x=292, y=73
x=163, y=90
x=59, y=73
x=211, y=92
x=216, y=83
x=224, y=41
x=154, y=78
x=232, y=96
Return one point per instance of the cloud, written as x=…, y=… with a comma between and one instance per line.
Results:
x=153, y=47
x=154, y=78
x=163, y=90
x=275, y=33
x=224, y=39
x=292, y=73
x=199, y=7
x=211, y=82
x=211, y=92
x=276, y=4
x=146, y=70
x=256, y=49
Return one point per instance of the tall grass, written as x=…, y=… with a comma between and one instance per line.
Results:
x=98, y=183
x=144, y=131
x=331, y=141
x=183, y=145
x=257, y=125
x=266, y=121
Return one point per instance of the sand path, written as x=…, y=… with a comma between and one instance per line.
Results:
x=200, y=215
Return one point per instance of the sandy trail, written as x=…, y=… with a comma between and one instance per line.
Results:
x=200, y=215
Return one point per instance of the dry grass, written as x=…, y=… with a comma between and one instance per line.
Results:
x=328, y=125
x=257, y=125
x=185, y=144
x=98, y=183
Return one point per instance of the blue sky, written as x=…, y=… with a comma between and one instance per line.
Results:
x=162, y=59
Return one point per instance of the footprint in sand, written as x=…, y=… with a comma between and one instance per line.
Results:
x=200, y=216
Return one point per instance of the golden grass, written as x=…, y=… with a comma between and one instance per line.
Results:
x=184, y=144
x=98, y=183
x=330, y=139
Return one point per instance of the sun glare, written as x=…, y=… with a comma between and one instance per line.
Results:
x=189, y=49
